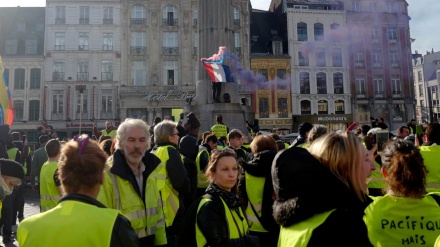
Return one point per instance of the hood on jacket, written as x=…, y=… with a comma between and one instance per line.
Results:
x=304, y=187
x=188, y=147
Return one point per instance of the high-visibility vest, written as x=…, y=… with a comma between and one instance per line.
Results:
x=437, y=242
x=170, y=196
x=377, y=179
x=299, y=234
x=146, y=216
x=254, y=190
x=232, y=217
x=431, y=157
x=68, y=224
x=112, y=133
x=401, y=221
x=219, y=130
x=12, y=153
x=49, y=194
x=25, y=164
x=202, y=180
x=302, y=145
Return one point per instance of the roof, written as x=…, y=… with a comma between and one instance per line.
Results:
x=265, y=28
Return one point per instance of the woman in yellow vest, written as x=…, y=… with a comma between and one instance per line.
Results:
x=217, y=217
x=406, y=215
x=79, y=219
x=321, y=192
x=256, y=188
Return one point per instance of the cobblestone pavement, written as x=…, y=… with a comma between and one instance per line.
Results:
x=31, y=207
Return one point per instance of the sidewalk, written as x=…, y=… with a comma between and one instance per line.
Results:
x=31, y=207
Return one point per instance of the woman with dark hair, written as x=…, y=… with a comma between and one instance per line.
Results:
x=192, y=126
x=406, y=214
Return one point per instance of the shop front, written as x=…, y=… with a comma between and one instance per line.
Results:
x=333, y=122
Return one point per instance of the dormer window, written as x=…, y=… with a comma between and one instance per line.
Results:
x=277, y=47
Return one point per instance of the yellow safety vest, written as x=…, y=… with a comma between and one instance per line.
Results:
x=377, y=180
x=202, y=180
x=437, y=242
x=12, y=153
x=146, y=217
x=220, y=147
x=401, y=221
x=431, y=157
x=232, y=217
x=298, y=235
x=112, y=133
x=254, y=190
x=49, y=194
x=71, y=223
x=219, y=130
x=170, y=196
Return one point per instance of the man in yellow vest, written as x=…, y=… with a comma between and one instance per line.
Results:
x=202, y=160
x=235, y=138
x=219, y=129
x=50, y=190
x=130, y=183
x=109, y=130
x=172, y=180
x=430, y=151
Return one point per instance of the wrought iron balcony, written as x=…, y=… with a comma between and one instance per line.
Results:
x=170, y=50
x=107, y=21
x=237, y=50
x=60, y=20
x=170, y=21
x=107, y=76
x=58, y=76
x=107, y=47
x=359, y=64
x=361, y=94
x=138, y=50
x=379, y=94
x=138, y=21
x=195, y=50
x=83, y=47
x=237, y=22
x=339, y=90
x=195, y=21
x=397, y=94
x=59, y=47
x=83, y=20
x=83, y=76
x=377, y=64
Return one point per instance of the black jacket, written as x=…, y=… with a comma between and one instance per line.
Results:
x=122, y=233
x=315, y=189
x=189, y=149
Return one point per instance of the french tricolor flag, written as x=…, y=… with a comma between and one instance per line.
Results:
x=218, y=72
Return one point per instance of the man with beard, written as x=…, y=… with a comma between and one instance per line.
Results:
x=130, y=183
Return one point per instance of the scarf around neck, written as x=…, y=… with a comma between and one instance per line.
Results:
x=230, y=198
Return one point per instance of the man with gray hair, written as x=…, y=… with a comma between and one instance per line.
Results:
x=130, y=183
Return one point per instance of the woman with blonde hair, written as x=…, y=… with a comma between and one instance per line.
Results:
x=322, y=192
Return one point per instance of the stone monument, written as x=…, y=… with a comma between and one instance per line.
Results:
x=215, y=28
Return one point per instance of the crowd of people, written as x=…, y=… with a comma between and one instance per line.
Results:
x=169, y=185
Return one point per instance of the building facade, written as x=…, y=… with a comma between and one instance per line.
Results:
x=22, y=52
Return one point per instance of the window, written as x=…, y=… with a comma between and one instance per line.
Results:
x=170, y=73
x=83, y=70
x=391, y=8
x=81, y=102
x=237, y=43
x=19, y=79
x=394, y=57
x=106, y=100
x=18, y=110
x=59, y=41
x=277, y=47
x=335, y=30
x=57, y=101
x=306, y=107
x=84, y=15
x=301, y=30
x=196, y=42
x=34, y=110
x=58, y=71
x=39, y=27
x=373, y=6
x=106, y=70
x=339, y=107
x=264, y=74
x=322, y=107
x=304, y=83
x=303, y=60
x=320, y=57
x=170, y=16
x=60, y=15
x=21, y=27
x=31, y=47
x=107, y=41
x=83, y=43
x=359, y=59
x=376, y=57
x=11, y=47
x=392, y=33
x=138, y=73
x=398, y=112
x=321, y=83
x=282, y=107
x=196, y=16
x=375, y=33
x=396, y=87
x=138, y=43
x=421, y=89
x=378, y=88
x=281, y=82
x=263, y=104
x=319, y=32
x=236, y=17
x=419, y=76
x=336, y=57
x=170, y=43
x=338, y=83
x=108, y=15
x=35, y=78
x=356, y=6
x=360, y=87
x=138, y=15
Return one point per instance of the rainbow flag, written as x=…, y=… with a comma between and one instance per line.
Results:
x=6, y=109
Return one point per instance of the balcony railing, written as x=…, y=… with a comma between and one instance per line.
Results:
x=339, y=90
x=237, y=50
x=83, y=47
x=170, y=21
x=195, y=50
x=138, y=21
x=359, y=64
x=106, y=115
x=377, y=64
x=138, y=50
x=58, y=76
x=107, y=21
x=281, y=86
x=361, y=94
x=195, y=22
x=397, y=94
x=60, y=20
x=237, y=22
x=322, y=90
x=83, y=76
x=107, y=47
x=394, y=64
x=379, y=94
x=170, y=50
x=304, y=91
x=59, y=47
x=107, y=76
x=83, y=20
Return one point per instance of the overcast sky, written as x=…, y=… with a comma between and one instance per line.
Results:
x=424, y=21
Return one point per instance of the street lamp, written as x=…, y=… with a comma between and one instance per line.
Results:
x=81, y=89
